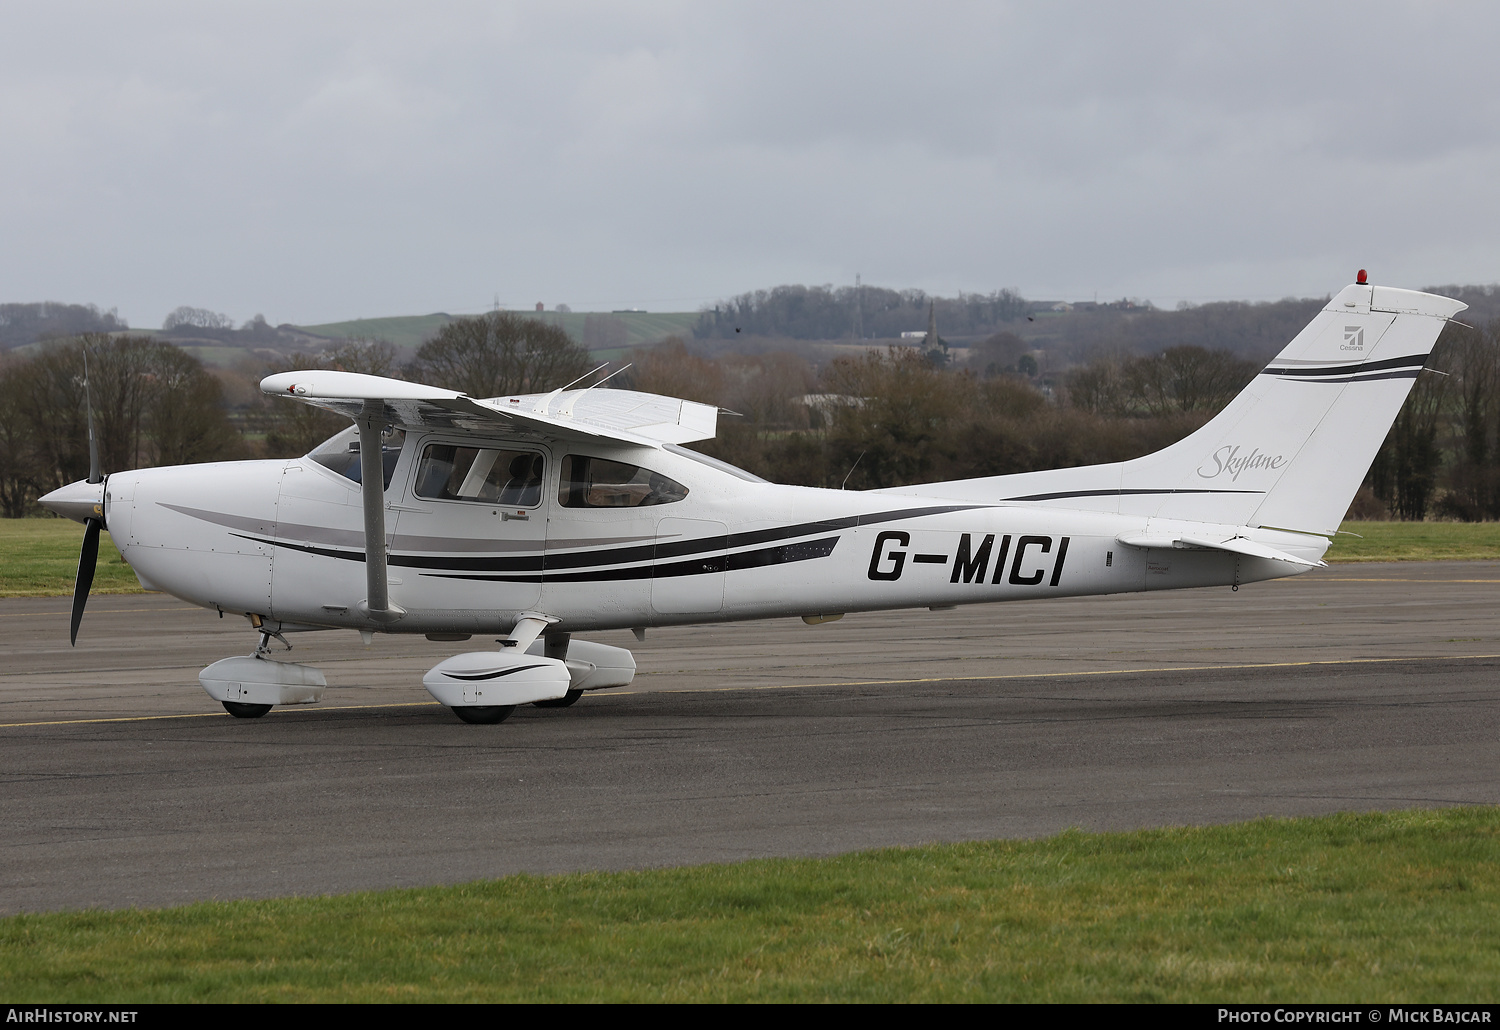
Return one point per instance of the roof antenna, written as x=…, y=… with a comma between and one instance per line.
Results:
x=851, y=469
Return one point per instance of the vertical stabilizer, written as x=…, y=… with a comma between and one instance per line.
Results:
x=1290, y=451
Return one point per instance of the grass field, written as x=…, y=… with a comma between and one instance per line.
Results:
x=1400, y=907
x=405, y=331
x=39, y=557
x=1416, y=541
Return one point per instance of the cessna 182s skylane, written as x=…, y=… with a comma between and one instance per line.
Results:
x=542, y=516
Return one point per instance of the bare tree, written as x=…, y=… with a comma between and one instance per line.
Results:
x=197, y=318
x=152, y=403
x=367, y=354
x=499, y=353
x=1406, y=466
x=1471, y=356
x=18, y=467
x=672, y=370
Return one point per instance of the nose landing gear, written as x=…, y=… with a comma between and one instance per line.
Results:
x=251, y=685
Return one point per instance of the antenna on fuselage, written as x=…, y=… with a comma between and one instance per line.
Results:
x=852, y=468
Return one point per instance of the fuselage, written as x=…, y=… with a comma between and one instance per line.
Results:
x=480, y=532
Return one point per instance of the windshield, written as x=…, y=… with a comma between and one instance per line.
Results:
x=340, y=453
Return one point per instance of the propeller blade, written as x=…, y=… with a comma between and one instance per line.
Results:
x=87, y=559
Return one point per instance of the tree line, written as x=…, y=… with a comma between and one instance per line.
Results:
x=21, y=324
x=155, y=404
x=860, y=312
x=882, y=417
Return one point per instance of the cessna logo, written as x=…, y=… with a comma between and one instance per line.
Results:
x=1228, y=460
x=1354, y=338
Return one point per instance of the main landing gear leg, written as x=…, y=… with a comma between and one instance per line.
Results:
x=556, y=646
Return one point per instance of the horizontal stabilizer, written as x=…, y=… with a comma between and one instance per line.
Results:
x=1235, y=545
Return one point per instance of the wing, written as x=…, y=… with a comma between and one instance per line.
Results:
x=646, y=419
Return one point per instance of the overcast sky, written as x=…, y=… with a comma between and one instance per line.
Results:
x=316, y=162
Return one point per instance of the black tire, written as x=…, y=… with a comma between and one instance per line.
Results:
x=241, y=710
x=560, y=702
x=483, y=714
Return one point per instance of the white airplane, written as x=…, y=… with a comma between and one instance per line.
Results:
x=538, y=517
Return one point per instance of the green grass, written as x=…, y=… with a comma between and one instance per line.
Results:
x=1416, y=541
x=406, y=331
x=1400, y=907
x=39, y=558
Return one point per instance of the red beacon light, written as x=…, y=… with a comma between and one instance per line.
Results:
x=1363, y=278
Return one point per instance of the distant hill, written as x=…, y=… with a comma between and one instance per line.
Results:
x=405, y=331
x=24, y=324
x=606, y=334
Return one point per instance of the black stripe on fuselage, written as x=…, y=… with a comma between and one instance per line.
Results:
x=555, y=563
x=683, y=548
x=804, y=550
x=1120, y=492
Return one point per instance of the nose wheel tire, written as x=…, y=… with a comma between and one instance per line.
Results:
x=560, y=702
x=241, y=710
x=483, y=714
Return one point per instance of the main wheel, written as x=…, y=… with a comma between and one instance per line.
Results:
x=241, y=710
x=483, y=713
x=560, y=702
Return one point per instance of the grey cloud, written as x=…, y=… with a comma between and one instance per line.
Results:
x=322, y=161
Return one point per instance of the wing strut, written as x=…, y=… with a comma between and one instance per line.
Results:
x=371, y=422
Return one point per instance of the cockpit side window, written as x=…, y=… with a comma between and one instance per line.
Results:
x=341, y=453
x=600, y=483
x=511, y=478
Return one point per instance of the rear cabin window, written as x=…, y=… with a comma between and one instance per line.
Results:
x=600, y=483
x=451, y=473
